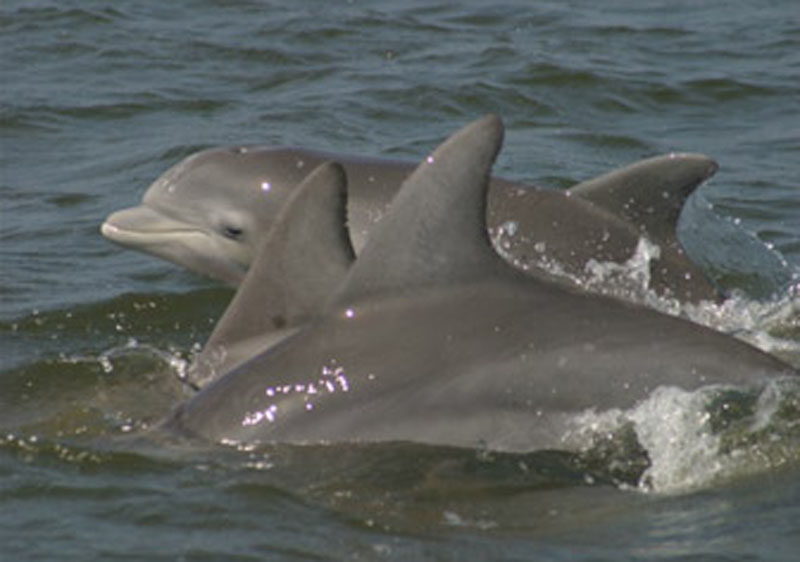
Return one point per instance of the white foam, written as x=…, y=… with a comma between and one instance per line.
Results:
x=694, y=439
x=672, y=425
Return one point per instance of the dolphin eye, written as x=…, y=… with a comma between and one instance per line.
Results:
x=232, y=232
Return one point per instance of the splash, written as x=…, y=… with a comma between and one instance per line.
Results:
x=121, y=390
x=628, y=280
x=695, y=439
x=773, y=326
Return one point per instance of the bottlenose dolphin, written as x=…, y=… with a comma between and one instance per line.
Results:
x=432, y=337
x=210, y=211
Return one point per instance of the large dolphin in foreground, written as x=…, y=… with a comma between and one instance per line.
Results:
x=209, y=213
x=431, y=337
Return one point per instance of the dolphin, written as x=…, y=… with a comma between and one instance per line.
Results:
x=431, y=337
x=209, y=212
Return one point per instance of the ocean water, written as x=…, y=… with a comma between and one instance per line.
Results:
x=97, y=99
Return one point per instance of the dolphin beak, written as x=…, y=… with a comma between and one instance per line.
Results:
x=141, y=226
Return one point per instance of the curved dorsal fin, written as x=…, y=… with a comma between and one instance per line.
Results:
x=434, y=232
x=650, y=193
x=303, y=259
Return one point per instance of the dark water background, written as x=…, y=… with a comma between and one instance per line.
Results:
x=99, y=98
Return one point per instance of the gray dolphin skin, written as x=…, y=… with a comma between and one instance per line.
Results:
x=210, y=211
x=431, y=337
x=303, y=258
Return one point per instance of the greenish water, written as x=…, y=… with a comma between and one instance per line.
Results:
x=98, y=99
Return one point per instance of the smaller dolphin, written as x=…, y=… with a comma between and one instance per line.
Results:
x=210, y=211
x=430, y=336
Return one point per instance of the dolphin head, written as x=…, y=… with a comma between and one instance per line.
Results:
x=206, y=213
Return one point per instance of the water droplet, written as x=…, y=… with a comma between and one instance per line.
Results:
x=510, y=227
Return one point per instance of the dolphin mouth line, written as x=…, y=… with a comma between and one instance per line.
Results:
x=127, y=235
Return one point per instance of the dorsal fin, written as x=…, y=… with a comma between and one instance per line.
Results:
x=650, y=193
x=434, y=231
x=303, y=259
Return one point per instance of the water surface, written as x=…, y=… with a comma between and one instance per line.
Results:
x=98, y=99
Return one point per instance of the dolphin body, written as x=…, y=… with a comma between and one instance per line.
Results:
x=209, y=212
x=430, y=336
